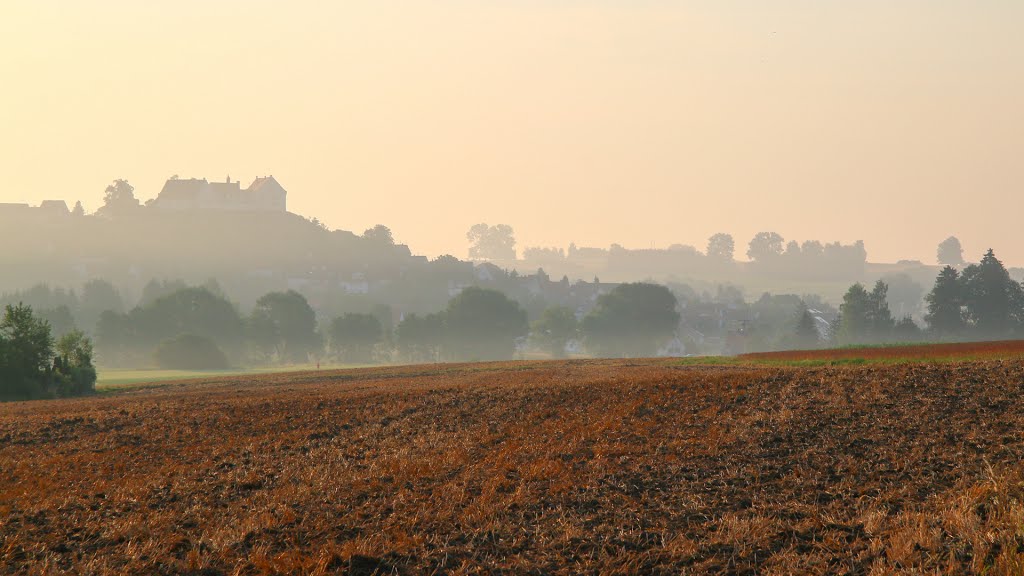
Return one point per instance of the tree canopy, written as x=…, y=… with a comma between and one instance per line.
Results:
x=764, y=246
x=353, y=337
x=721, y=247
x=633, y=320
x=945, y=314
x=949, y=252
x=285, y=324
x=554, y=329
x=491, y=242
x=119, y=200
x=483, y=324
x=31, y=366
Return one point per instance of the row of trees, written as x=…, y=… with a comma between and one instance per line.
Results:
x=197, y=328
x=630, y=320
x=981, y=302
x=864, y=318
x=33, y=365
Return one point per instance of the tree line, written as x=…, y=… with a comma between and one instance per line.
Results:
x=980, y=302
x=197, y=328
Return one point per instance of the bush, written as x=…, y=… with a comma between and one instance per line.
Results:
x=190, y=352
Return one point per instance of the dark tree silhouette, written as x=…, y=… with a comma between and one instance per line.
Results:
x=945, y=316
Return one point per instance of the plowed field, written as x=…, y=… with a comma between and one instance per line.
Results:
x=589, y=467
x=949, y=351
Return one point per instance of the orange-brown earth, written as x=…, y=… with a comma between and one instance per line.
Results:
x=553, y=467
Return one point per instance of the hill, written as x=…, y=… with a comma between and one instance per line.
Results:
x=552, y=467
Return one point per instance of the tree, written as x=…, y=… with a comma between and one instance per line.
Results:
x=491, y=242
x=721, y=247
x=855, y=315
x=98, y=296
x=291, y=324
x=483, y=324
x=633, y=320
x=993, y=300
x=379, y=234
x=812, y=249
x=950, y=253
x=906, y=330
x=806, y=333
x=419, y=339
x=904, y=297
x=73, y=370
x=27, y=350
x=190, y=352
x=353, y=337
x=118, y=200
x=945, y=316
x=880, y=317
x=192, y=310
x=764, y=246
x=78, y=210
x=554, y=330
x=155, y=289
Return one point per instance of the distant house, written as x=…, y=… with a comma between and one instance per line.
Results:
x=263, y=195
x=55, y=207
x=13, y=208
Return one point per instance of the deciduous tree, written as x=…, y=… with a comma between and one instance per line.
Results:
x=632, y=320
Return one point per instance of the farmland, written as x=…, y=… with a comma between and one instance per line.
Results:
x=527, y=467
x=952, y=351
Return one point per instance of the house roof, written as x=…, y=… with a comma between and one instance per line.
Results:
x=261, y=182
x=177, y=188
x=58, y=205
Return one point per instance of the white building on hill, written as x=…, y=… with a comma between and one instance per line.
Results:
x=263, y=195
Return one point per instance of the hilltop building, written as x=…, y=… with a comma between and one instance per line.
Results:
x=55, y=207
x=263, y=195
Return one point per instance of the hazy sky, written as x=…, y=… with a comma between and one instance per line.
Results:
x=641, y=122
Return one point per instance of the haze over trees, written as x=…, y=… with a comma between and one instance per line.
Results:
x=283, y=326
x=483, y=324
x=806, y=335
x=555, y=329
x=354, y=336
x=765, y=246
x=419, y=339
x=119, y=200
x=633, y=320
x=290, y=291
x=865, y=316
x=491, y=242
x=950, y=253
x=981, y=303
x=721, y=247
x=190, y=352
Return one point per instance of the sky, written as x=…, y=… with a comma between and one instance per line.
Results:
x=638, y=122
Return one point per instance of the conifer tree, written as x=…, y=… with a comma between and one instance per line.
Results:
x=945, y=316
